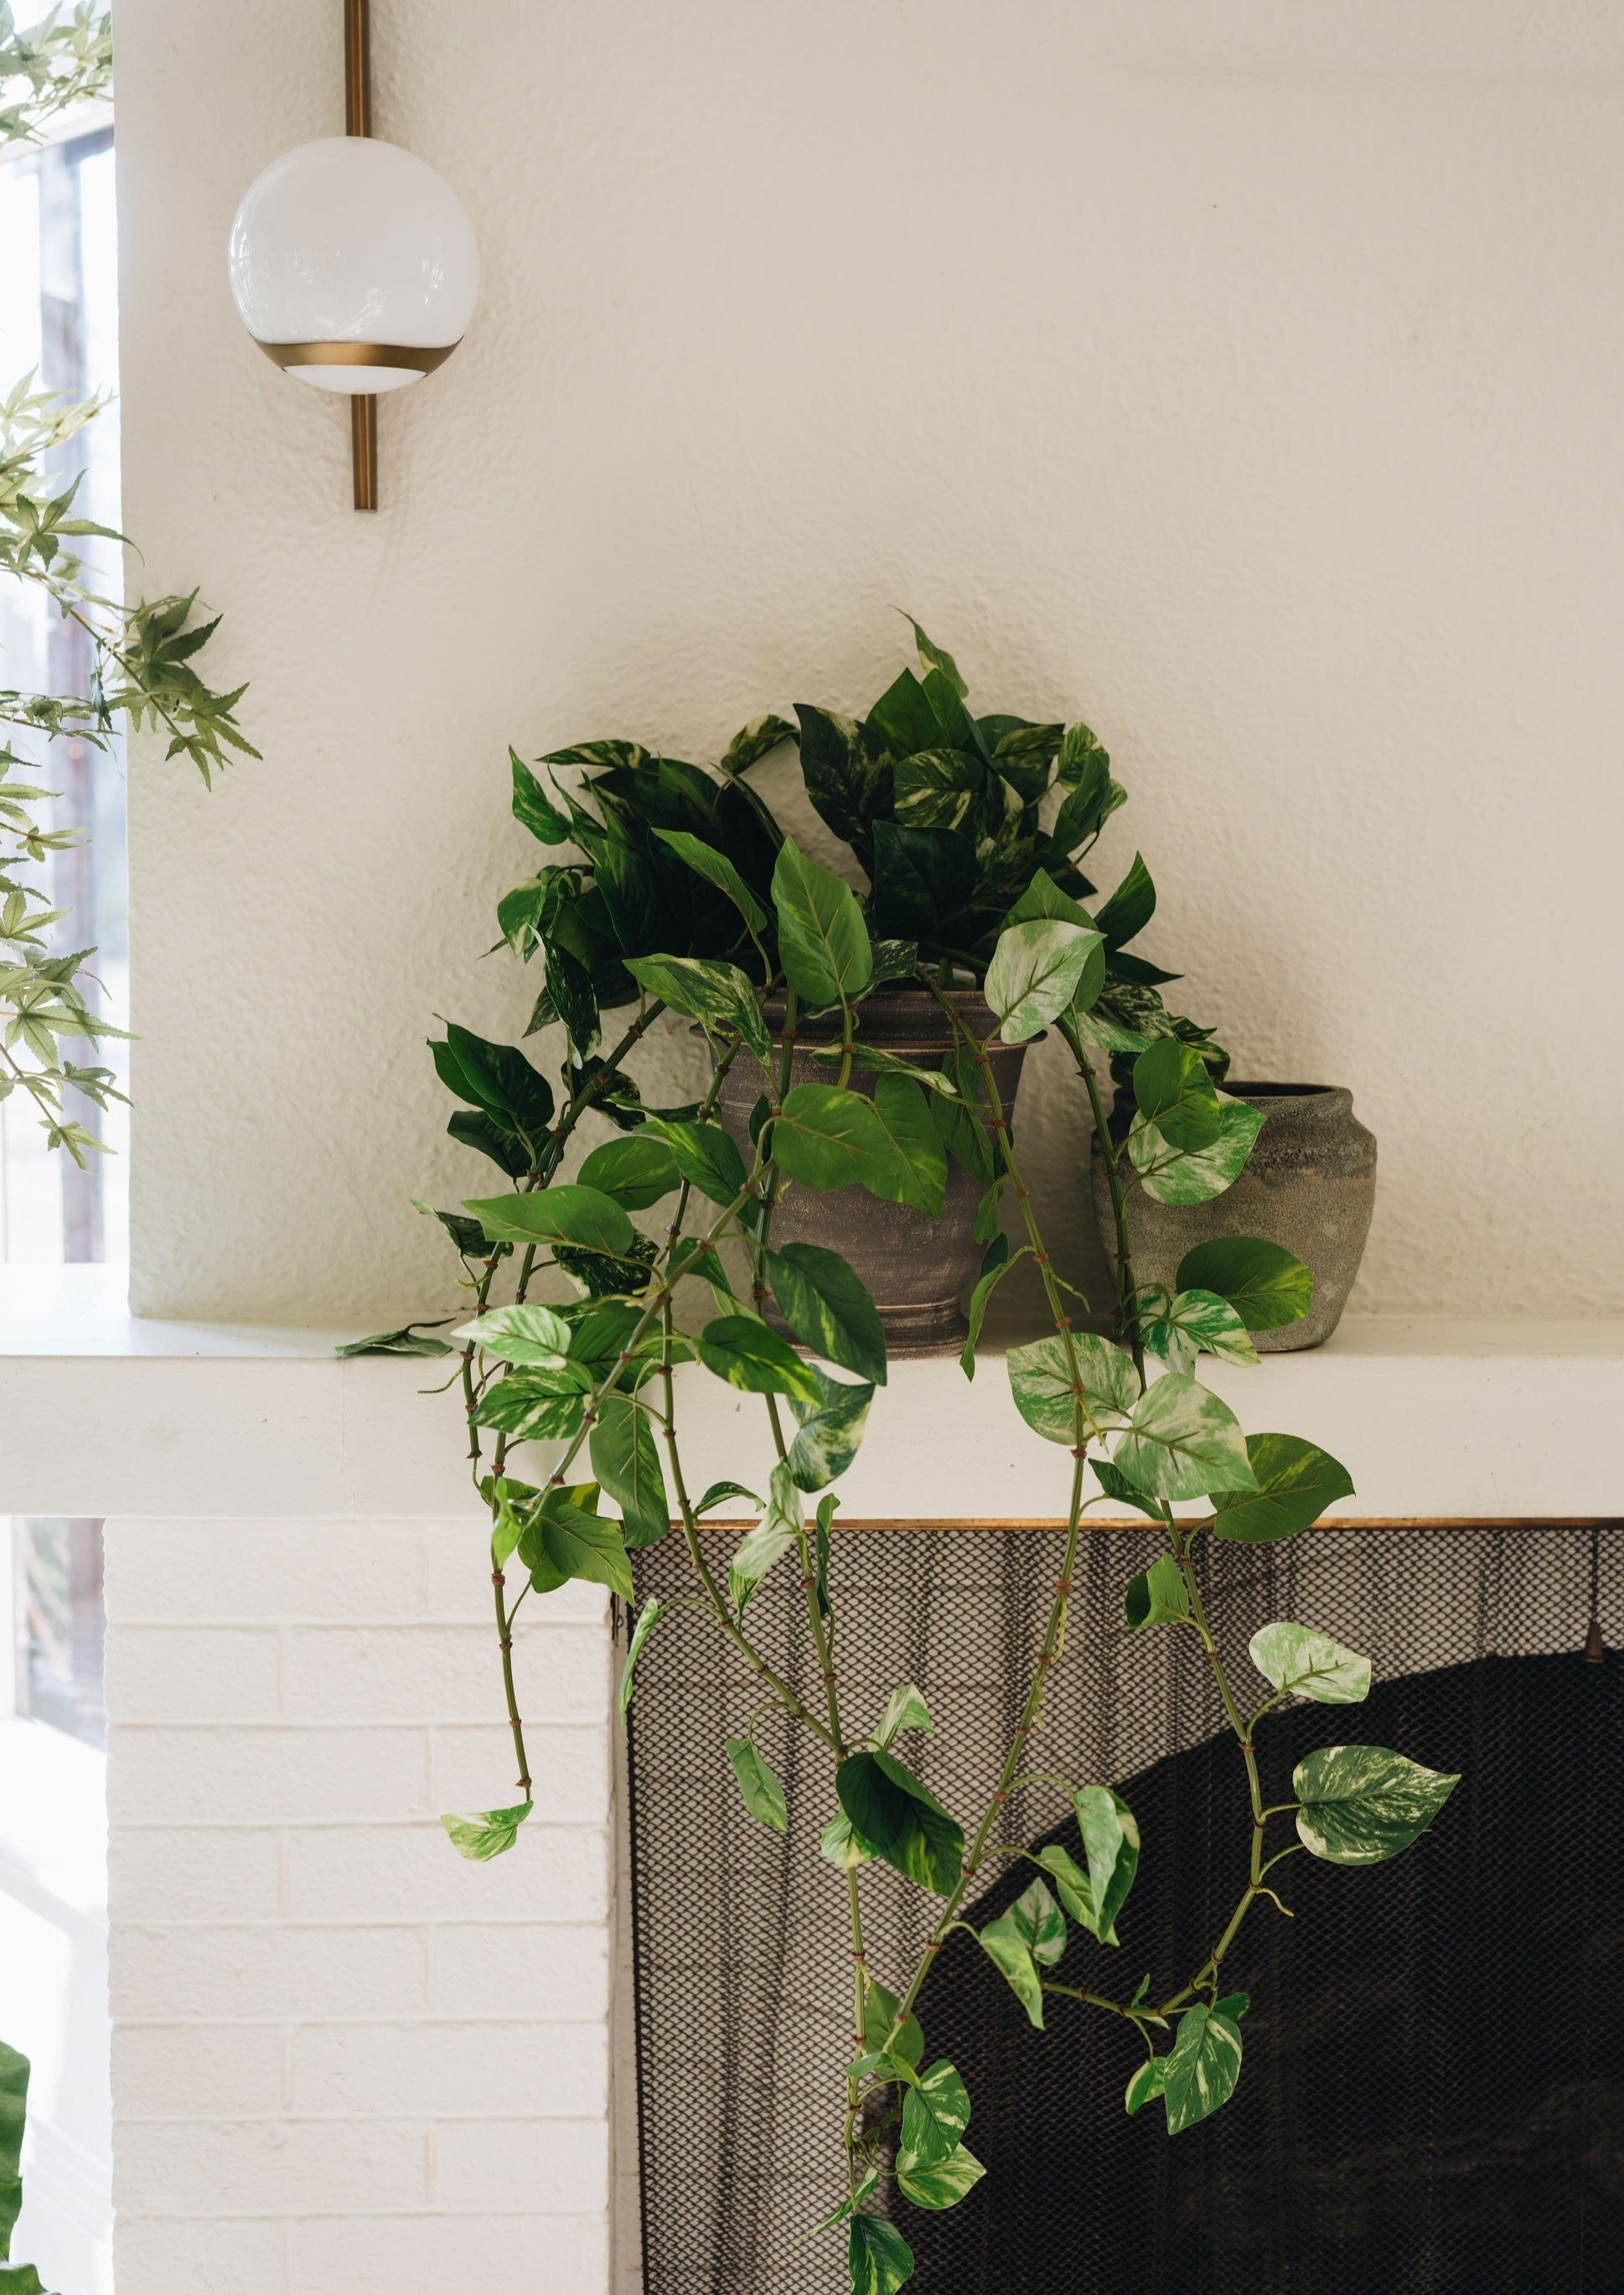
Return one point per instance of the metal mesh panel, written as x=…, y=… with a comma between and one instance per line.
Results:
x=1433, y=2093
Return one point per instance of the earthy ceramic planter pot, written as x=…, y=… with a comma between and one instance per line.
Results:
x=914, y=1267
x=1310, y=1185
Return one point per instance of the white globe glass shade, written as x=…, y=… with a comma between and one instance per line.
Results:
x=353, y=241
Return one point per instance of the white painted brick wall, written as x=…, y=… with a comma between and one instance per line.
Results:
x=346, y=2061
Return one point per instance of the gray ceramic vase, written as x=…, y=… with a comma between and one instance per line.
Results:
x=914, y=1266
x=1310, y=1185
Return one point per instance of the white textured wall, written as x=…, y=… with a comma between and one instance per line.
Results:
x=1241, y=374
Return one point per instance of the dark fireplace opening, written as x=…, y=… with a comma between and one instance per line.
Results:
x=1432, y=2098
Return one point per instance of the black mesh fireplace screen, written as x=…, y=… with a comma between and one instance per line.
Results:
x=1431, y=2101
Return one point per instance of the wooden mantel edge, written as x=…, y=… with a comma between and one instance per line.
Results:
x=733, y=1524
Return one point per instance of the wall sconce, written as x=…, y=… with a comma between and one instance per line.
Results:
x=354, y=265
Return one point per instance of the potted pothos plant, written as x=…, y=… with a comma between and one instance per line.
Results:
x=593, y=1389
x=948, y=816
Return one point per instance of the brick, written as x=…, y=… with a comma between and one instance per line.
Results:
x=510, y=2068
x=163, y=1775
x=163, y=2256
x=449, y=1673
x=278, y=1973
x=187, y=2070
x=284, y=2167
x=473, y=1768
x=362, y=1873
x=425, y=2255
x=197, y=1873
x=561, y=2166
x=159, y=1673
x=568, y=1969
x=258, y=1572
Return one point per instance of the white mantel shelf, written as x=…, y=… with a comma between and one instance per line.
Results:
x=104, y=1413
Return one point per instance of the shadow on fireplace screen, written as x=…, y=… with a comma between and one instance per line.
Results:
x=1431, y=2097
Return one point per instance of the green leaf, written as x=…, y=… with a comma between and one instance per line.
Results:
x=827, y=1137
x=1043, y=898
x=1034, y=973
x=705, y=989
x=473, y=1127
x=847, y=772
x=1180, y=1328
x=905, y=1708
x=827, y=1308
x=823, y=943
x=1360, y=1804
x=626, y=1462
x=844, y=1847
x=13, y=2117
x=636, y=1170
x=1146, y=2085
x=1118, y=1487
x=935, y=2114
x=981, y=1297
x=1234, y=2004
x=1182, y=1442
x=879, y=2015
x=1046, y=1396
x=1073, y=1883
x=717, y=869
x=1297, y=1482
x=707, y=1156
x=878, y=2259
x=496, y=1078
x=747, y=1355
x=1130, y=908
x=569, y=1215
x=1157, y=1595
x=646, y=1618
x=1111, y=1844
x=920, y=1176
x=778, y=1529
x=717, y=1491
x=932, y=657
x=1041, y=1923
x=533, y=808
x=938, y=787
x=1203, y=2068
x=1007, y=1949
x=536, y=1406
x=1310, y=1665
x=831, y=1431
x=763, y=1794
x=755, y=741
x=406, y=1341
x=582, y=1545
x=522, y=1335
x=1177, y=1175
x=1174, y=1092
x=943, y=2185
x=923, y=878
x=489, y=1834
x=907, y=1825
x=1267, y=1287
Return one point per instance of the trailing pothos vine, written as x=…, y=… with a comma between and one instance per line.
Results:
x=604, y=1377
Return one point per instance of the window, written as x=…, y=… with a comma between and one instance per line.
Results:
x=59, y=317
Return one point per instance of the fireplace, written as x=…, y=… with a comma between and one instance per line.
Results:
x=1433, y=2095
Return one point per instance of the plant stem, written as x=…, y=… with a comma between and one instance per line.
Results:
x=1127, y=1290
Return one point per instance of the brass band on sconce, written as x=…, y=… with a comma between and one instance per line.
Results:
x=421, y=359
